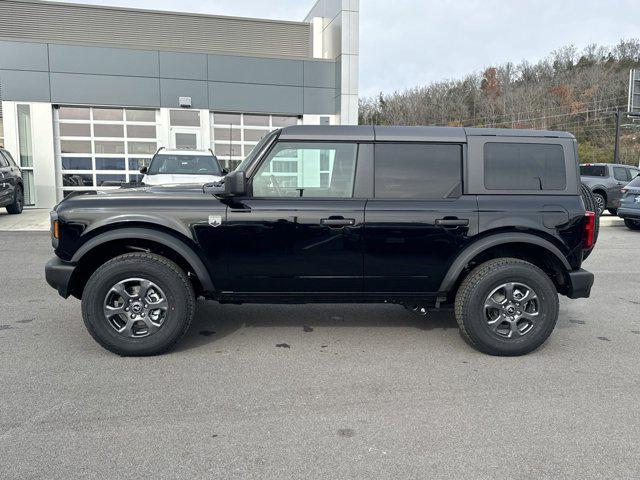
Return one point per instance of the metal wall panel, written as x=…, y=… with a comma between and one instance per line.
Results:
x=23, y=56
x=269, y=71
x=92, y=24
x=240, y=97
x=320, y=101
x=188, y=66
x=171, y=89
x=25, y=86
x=106, y=61
x=319, y=74
x=105, y=90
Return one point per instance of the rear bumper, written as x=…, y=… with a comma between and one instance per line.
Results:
x=580, y=283
x=58, y=274
x=625, y=212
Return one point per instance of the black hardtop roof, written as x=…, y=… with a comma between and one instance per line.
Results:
x=406, y=134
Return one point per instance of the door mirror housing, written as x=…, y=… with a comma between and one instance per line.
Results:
x=233, y=185
x=144, y=170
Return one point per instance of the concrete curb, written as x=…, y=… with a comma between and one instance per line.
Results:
x=611, y=221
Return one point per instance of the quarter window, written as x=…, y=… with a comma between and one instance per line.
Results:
x=307, y=170
x=425, y=171
x=524, y=166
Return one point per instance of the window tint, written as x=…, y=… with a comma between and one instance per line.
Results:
x=593, y=170
x=184, y=164
x=524, y=166
x=620, y=174
x=307, y=170
x=426, y=171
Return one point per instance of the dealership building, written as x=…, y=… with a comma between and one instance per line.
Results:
x=89, y=93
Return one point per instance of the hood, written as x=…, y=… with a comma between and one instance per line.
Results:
x=175, y=178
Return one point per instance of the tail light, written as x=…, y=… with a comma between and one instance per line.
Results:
x=589, y=233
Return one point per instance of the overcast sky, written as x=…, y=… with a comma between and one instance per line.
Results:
x=404, y=43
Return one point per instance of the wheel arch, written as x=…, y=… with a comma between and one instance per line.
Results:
x=525, y=246
x=112, y=243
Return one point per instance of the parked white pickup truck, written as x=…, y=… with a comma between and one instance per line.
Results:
x=182, y=166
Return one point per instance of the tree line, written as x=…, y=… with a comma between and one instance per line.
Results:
x=570, y=89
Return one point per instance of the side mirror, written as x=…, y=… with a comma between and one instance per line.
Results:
x=144, y=169
x=225, y=171
x=235, y=184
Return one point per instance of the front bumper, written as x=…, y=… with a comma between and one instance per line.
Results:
x=58, y=274
x=580, y=283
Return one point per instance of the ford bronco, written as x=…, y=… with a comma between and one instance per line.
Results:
x=488, y=222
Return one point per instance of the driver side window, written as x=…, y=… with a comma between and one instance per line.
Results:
x=310, y=169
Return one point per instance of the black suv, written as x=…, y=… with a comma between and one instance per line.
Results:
x=489, y=222
x=11, y=187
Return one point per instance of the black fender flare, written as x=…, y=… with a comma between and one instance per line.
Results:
x=491, y=241
x=179, y=246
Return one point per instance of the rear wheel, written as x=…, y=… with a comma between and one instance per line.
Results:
x=601, y=202
x=632, y=224
x=138, y=304
x=506, y=306
x=18, y=202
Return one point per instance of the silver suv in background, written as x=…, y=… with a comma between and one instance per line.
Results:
x=606, y=181
x=182, y=166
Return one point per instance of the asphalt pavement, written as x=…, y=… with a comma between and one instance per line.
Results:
x=319, y=391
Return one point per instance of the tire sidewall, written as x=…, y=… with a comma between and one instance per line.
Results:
x=169, y=282
x=474, y=317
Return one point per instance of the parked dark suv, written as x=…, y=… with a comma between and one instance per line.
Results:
x=11, y=188
x=489, y=222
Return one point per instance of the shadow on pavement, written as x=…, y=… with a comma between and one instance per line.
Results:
x=214, y=321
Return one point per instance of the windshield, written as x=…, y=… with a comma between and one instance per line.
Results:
x=252, y=154
x=184, y=164
x=593, y=170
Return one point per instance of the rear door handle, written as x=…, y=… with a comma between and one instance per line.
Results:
x=337, y=222
x=452, y=222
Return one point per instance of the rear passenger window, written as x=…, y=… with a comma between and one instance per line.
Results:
x=524, y=166
x=424, y=171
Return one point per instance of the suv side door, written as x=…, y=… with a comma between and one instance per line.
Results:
x=418, y=219
x=299, y=229
x=620, y=178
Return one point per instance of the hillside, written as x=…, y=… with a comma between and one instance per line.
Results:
x=568, y=90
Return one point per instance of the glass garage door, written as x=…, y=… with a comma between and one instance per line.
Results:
x=100, y=147
x=233, y=135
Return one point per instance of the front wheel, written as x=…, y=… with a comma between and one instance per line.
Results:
x=138, y=304
x=632, y=224
x=506, y=306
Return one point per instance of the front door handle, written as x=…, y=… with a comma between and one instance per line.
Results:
x=337, y=222
x=452, y=222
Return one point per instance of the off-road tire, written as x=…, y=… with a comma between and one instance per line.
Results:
x=18, y=202
x=590, y=204
x=632, y=224
x=157, y=269
x=479, y=283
